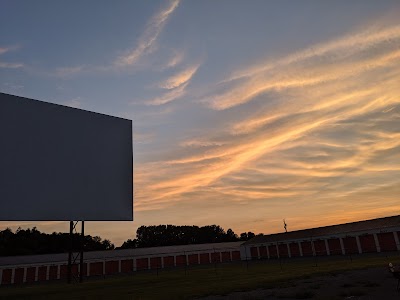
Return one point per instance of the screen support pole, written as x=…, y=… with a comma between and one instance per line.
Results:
x=82, y=243
x=73, y=257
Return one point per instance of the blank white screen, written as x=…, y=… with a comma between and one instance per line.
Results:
x=62, y=163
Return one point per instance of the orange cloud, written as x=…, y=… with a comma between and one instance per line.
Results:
x=180, y=78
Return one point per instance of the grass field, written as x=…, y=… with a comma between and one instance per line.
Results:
x=198, y=281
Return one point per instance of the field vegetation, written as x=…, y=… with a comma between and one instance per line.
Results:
x=200, y=281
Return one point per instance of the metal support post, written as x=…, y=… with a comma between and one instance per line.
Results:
x=82, y=244
x=71, y=235
x=72, y=258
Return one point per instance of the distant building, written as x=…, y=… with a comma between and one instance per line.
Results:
x=377, y=235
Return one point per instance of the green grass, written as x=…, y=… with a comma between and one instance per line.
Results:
x=196, y=282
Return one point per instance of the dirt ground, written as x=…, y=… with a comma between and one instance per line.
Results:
x=367, y=284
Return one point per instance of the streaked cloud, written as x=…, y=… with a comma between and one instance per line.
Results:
x=251, y=125
x=180, y=78
x=325, y=130
x=149, y=37
x=294, y=78
x=5, y=49
x=169, y=96
x=339, y=48
x=8, y=65
x=200, y=143
x=176, y=59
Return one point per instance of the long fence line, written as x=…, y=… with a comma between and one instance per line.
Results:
x=358, y=244
x=119, y=262
x=156, y=263
x=112, y=265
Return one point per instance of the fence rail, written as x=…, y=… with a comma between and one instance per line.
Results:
x=312, y=250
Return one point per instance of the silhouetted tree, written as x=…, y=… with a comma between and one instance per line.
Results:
x=245, y=236
x=107, y=245
x=250, y=235
x=168, y=235
x=32, y=241
x=129, y=244
x=231, y=236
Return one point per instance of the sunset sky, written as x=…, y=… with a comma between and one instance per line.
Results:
x=244, y=112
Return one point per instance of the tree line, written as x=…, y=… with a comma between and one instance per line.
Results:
x=169, y=235
x=32, y=241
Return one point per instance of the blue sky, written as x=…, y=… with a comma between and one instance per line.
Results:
x=244, y=112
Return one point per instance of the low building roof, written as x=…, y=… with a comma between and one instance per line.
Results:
x=331, y=230
x=121, y=254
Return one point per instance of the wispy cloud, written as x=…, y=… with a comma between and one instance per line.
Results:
x=5, y=49
x=8, y=65
x=181, y=78
x=146, y=44
x=253, y=124
x=176, y=59
x=298, y=77
x=325, y=130
x=149, y=37
x=200, y=143
x=169, y=96
x=339, y=48
x=176, y=86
